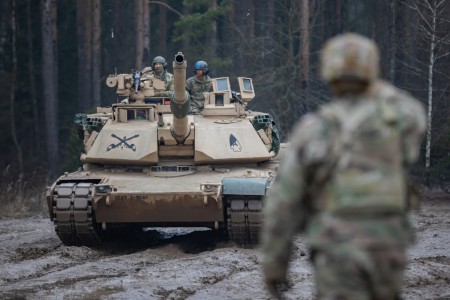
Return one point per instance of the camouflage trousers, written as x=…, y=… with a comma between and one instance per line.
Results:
x=352, y=272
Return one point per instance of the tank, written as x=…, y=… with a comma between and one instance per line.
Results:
x=149, y=163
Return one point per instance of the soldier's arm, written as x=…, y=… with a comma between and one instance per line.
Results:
x=414, y=129
x=210, y=87
x=163, y=94
x=412, y=118
x=286, y=205
x=188, y=86
x=414, y=122
x=281, y=216
x=170, y=85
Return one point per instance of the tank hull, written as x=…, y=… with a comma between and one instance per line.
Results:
x=137, y=198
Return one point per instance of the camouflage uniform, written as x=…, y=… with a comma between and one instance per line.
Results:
x=343, y=183
x=162, y=74
x=196, y=88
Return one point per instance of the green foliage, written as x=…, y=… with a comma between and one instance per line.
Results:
x=196, y=26
x=74, y=149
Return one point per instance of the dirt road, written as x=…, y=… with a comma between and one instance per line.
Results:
x=187, y=264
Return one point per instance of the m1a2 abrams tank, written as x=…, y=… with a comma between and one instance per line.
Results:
x=148, y=163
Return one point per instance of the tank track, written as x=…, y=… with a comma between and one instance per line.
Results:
x=73, y=216
x=244, y=219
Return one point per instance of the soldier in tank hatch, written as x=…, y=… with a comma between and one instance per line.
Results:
x=159, y=71
x=197, y=85
x=343, y=181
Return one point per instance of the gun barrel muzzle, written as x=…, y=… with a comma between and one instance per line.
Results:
x=179, y=58
x=179, y=78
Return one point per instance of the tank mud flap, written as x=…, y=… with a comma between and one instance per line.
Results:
x=243, y=212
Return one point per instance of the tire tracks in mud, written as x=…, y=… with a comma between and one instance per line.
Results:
x=31, y=268
x=186, y=264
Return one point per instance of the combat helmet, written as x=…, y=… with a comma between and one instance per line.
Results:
x=349, y=56
x=161, y=60
x=201, y=65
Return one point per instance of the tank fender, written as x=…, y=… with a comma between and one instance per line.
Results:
x=245, y=186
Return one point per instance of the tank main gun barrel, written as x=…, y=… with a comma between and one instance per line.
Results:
x=180, y=103
x=179, y=77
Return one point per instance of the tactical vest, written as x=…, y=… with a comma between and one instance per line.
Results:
x=368, y=175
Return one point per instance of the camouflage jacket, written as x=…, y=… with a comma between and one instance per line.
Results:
x=164, y=76
x=338, y=183
x=196, y=88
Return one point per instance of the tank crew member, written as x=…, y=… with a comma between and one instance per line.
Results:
x=159, y=70
x=197, y=85
x=343, y=179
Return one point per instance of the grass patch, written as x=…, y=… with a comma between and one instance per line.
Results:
x=23, y=194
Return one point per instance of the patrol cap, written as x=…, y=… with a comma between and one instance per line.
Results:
x=348, y=56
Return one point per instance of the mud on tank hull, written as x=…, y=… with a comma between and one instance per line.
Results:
x=86, y=207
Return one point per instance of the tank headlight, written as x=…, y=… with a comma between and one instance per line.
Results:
x=208, y=187
x=103, y=189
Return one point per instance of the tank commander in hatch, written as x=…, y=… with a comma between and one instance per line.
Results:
x=159, y=70
x=343, y=181
x=197, y=85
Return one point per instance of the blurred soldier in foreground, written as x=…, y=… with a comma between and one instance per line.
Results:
x=343, y=181
x=159, y=70
x=197, y=85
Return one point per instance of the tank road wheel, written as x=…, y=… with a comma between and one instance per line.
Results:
x=73, y=216
x=244, y=219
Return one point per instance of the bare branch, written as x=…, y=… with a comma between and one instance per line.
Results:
x=166, y=5
x=440, y=3
x=442, y=55
x=424, y=19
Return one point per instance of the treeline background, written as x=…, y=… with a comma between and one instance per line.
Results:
x=55, y=56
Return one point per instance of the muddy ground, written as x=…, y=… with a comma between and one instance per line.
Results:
x=188, y=264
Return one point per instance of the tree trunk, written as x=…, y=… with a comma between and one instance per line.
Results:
x=338, y=16
x=304, y=44
x=96, y=54
x=50, y=86
x=430, y=86
x=250, y=19
x=393, y=41
x=13, y=90
x=84, y=56
x=212, y=35
x=33, y=94
x=185, y=42
x=162, y=29
x=139, y=23
x=146, y=39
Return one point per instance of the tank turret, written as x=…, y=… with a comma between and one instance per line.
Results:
x=180, y=104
